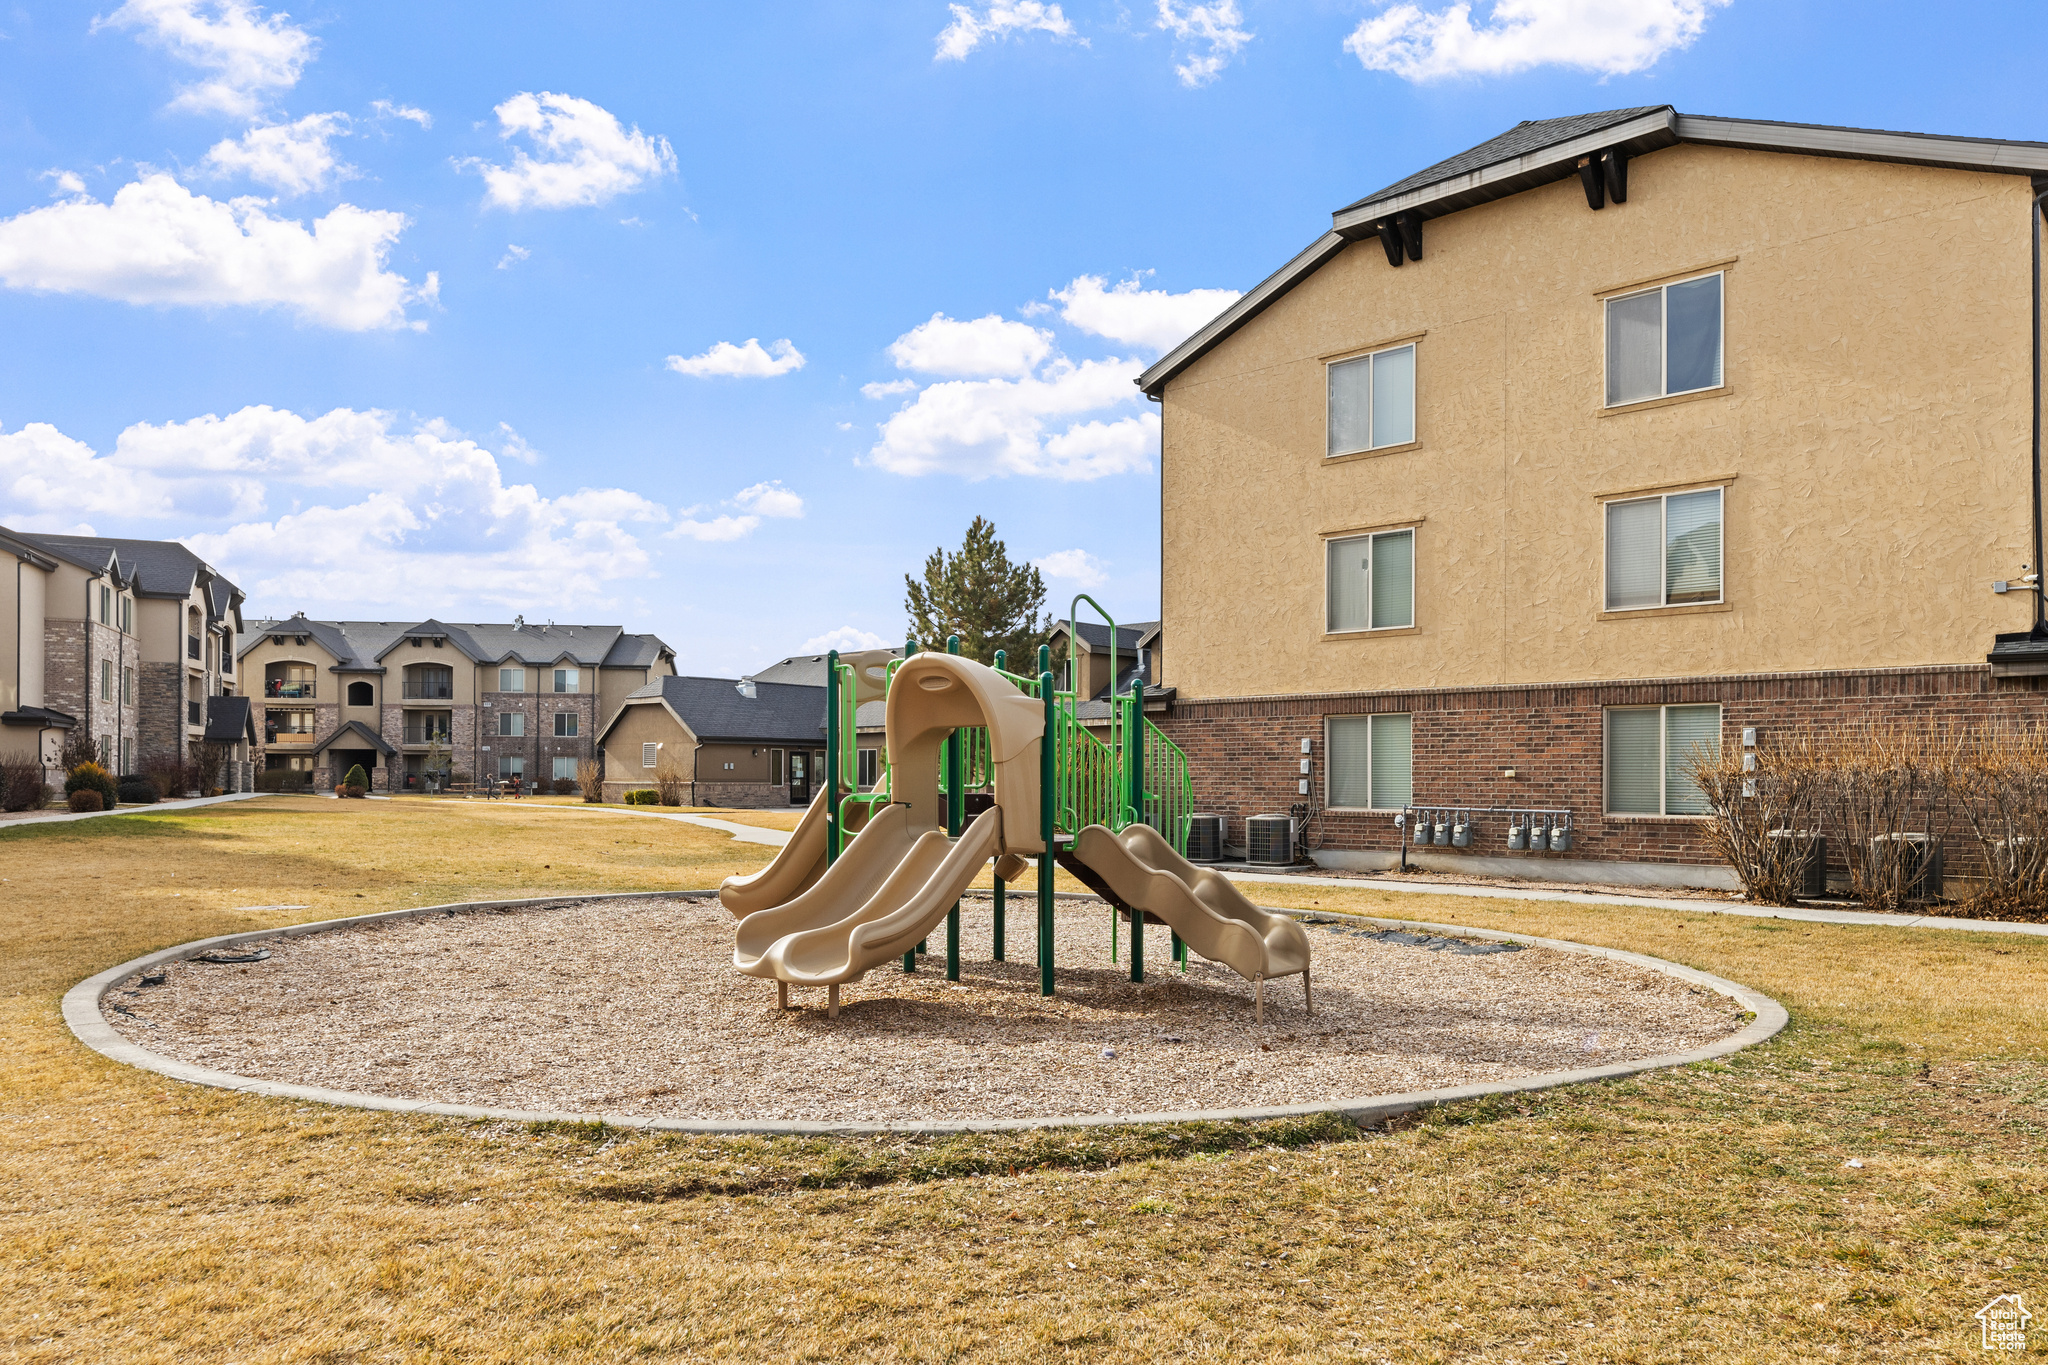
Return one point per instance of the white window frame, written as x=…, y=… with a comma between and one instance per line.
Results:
x=565, y=725
x=564, y=767
x=1368, y=717
x=1414, y=574
x=516, y=719
x=512, y=765
x=1663, y=811
x=867, y=768
x=1414, y=412
x=1663, y=500
x=521, y=685
x=1664, y=340
x=778, y=769
x=571, y=676
x=650, y=754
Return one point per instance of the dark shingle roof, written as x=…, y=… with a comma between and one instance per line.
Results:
x=714, y=708
x=806, y=669
x=361, y=733
x=163, y=568
x=636, y=651
x=1095, y=635
x=229, y=719
x=1530, y=135
x=358, y=644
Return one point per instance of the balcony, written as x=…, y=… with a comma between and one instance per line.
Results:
x=192, y=650
x=276, y=688
x=428, y=691
x=425, y=734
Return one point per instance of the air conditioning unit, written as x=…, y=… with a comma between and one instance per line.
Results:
x=1269, y=839
x=1205, y=838
x=1810, y=850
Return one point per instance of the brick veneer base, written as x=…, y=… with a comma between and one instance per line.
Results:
x=1245, y=752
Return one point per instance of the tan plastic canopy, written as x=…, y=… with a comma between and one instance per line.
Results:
x=933, y=695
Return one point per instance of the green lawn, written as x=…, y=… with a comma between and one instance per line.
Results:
x=1700, y=1215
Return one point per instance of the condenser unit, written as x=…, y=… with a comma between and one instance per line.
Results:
x=1269, y=839
x=1205, y=838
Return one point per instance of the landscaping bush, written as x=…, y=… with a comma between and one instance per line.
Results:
x=85, y=800
x=21, y=786
x=1765, y=823
x=669, y=779
x=590, y=777
x=564, y=786
x=136, y=790
x=643, y=796
x=1999, y=783
x=173, y=775
x=283, y=780
x=90, y=776
x=355, y=784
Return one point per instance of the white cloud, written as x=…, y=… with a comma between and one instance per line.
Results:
x=157, y=242
x=585, y=155
x=514, y=254
x=289, y=157
x=846, y=639
x=1151, y=318
x=247, y=55
x=881, y=390
x=1612, y=37
x=1078, y=567
x=985, y=346
x=1216, y=26
x=985, y=427
x=67, y=182
x=997, y=20
x=386, y=109
x=424, y=505
x=514, y=446
x=746, y=361
x=769, y=499
x=719, y=528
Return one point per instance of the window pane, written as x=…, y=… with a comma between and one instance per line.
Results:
x=1689, y=729
x=511, y=680
x=1635, y=554
x=1392, y=769
x=565, y=767
x=1693, y=346
x=1393, y=397
x=1635, y=347
x=1692, y=547
x=1346, y=587
x=1393, y=579
x=1634, y=762
x=1351, y=406
x=1350, y=772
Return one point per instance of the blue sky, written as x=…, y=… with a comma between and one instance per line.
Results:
x=627, y=313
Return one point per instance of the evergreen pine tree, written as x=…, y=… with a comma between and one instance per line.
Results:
x=979, y=595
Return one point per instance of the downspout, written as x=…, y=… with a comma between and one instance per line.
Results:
x=2040, y=630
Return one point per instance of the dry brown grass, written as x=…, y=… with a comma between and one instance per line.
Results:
x=1705, y=1214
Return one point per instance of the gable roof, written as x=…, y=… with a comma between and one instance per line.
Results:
x=715, y=709
x=162, y=568
x=358, y=645
x=1544, y=151
x=1094, y=635
x=637, y=651
x=229, y=719
x=806, y=669
x=355, y=729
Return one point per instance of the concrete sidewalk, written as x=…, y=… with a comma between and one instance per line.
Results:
x=36, y=817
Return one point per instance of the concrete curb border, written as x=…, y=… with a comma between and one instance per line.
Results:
x=81, y=1009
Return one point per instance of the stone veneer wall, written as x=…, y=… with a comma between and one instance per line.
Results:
x=1245, y=753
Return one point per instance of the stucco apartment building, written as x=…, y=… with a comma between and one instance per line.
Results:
x=1613, y=437
x=423, y=703
x=125, y=641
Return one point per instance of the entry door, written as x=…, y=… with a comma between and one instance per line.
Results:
x=799, y=778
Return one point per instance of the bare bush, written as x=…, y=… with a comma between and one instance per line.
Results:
x=1765, y=822
x=24, y=784
x=1999, y=782
x=670, y=779
x=1880, y=789
x=590, y=777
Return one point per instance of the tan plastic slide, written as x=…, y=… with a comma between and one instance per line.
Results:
x=797, y=866
x=1201, y=905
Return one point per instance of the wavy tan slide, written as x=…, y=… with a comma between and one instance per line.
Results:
x=1144, y=872
x=797, y=866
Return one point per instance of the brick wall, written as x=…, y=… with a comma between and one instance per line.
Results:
x=160, y=697
x=1245, y=753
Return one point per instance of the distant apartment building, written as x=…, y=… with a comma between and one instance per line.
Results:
x=424, y=704
x=126, y=642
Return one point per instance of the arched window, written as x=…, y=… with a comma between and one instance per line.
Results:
x=361, y=694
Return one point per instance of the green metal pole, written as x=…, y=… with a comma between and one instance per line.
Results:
x=1045, y=824
x=910, y=958
x=956, y=816
x=1002, y=666
x=832, y=742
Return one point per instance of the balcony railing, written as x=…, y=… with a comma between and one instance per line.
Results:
x=194, y=713
x=275, y=688
x=287, y=736
x=192, y=647
x=425, y=734
x=427, y=691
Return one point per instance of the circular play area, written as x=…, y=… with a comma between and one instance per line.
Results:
x=630, y=1008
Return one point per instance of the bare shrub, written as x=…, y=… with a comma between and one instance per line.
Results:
x=670, y=779
x=1999, y=782
x=590, y=777
x=24, y=785
x=1765, y=822
x=172, y=773
x=1880, y=789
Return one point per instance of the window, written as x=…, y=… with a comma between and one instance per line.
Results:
x=868, y=766
x=1370, y=762
x=565, y=680
x=106, y=679
x=128, y=687
x=1663, y=341
x=106, y=605
x=511, y=722
x=649, y=753
x=127, y=755
x=511, y=680
x=1664, y=551
x=775, y=766
x=511, y=767
x=565, y=725
x=1647, y=752
x=1370, y=581
x=361, y=694
x=1372, y=401
x=565, y=767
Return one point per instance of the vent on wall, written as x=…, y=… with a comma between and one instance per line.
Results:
x=1205, y=838
x=1269, y=839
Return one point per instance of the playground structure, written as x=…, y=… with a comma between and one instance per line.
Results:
x=867, y=876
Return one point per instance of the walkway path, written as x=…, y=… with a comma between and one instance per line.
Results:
x=38, y=817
